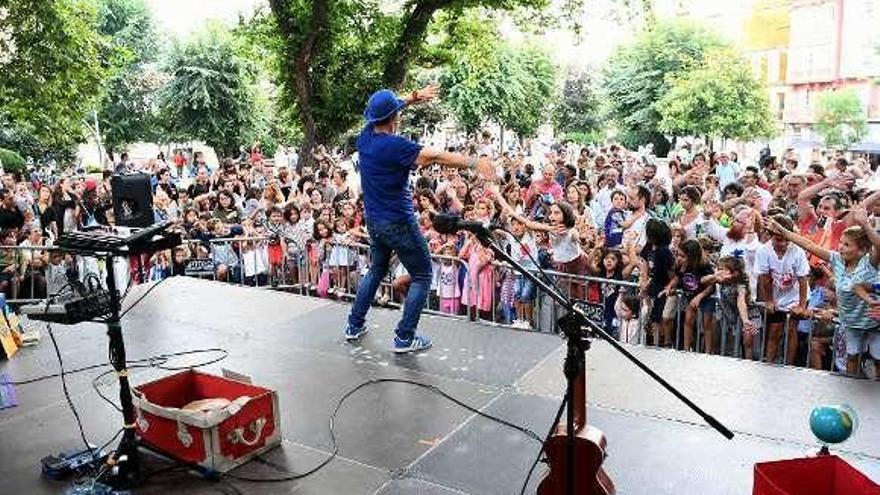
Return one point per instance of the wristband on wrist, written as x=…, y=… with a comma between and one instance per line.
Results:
x=415, y=96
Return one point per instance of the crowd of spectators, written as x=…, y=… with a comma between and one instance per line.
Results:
x=777, y=253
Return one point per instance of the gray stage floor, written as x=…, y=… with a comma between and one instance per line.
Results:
x=400, y=439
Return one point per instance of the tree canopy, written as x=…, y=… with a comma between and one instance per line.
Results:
x=335, y=54
x=578, y=112
x=128, y=111
x=53, y=63
x=210, y=94
x=841, y=118
x=511, y=86
x=718, y=98
x=639, y=75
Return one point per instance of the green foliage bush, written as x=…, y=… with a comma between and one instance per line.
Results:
x=12, y=161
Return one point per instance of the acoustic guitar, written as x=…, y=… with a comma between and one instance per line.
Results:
x=589, y=452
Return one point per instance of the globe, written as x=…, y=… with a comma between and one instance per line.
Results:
x=833, y=424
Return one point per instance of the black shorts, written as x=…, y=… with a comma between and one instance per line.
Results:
x=778, y=317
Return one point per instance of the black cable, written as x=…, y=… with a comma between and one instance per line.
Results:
x=157, y=361
x=63, y=374
x=79, y=424
x=335, y=446
x=550, y=433
x=108, y=442
x=142, y=296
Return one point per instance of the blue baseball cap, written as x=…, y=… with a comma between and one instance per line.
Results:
x=382, y=104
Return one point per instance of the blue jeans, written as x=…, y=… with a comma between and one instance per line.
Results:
x=406, y=239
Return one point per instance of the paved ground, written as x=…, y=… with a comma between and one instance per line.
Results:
x=400, y=439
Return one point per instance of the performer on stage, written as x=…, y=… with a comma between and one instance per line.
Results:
x=386, y=161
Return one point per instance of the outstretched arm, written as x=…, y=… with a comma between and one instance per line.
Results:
x=803, y=242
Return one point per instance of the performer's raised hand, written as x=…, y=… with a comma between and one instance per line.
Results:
x=424, y=95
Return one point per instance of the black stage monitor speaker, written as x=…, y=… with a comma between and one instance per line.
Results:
x=132, y=200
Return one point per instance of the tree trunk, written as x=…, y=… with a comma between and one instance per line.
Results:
x=298, y=65
x=501, y=140
x=410, y=41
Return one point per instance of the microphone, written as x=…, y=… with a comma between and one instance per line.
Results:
x=446, y=223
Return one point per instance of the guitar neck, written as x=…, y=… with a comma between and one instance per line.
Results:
x=580, y=400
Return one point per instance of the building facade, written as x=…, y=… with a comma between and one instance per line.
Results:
x=833, y=45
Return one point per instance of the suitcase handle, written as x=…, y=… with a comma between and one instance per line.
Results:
x=256, y=427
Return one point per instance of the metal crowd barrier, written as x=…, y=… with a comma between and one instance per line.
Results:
x=28, y=274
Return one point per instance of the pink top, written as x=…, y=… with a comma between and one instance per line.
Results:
x=479, y=285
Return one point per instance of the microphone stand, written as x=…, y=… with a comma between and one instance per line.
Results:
x=577, y=330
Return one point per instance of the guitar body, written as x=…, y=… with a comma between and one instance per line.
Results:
x=589, y=453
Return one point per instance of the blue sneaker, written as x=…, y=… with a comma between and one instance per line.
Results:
x=352, y=333
x=417, y=343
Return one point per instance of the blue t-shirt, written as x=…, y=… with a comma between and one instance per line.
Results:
x=385, y=162
x=614, y=228
x=853, y=311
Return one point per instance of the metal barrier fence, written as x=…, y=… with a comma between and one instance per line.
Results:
x=328, y=269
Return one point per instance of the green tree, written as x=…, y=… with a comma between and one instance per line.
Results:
x=11, y=162
x=428, y=116
x=841, y=118
x=718, y=98
x=275, y=123
x=638, y=76
x=335, y=54
x=530, y=89
x=210, y=95
x=128, y=111
x=510, y=86
x=578, y=110
x=52, y=66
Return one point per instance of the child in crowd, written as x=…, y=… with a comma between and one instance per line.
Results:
x=479, y=286
x=816, y=330
x=254, y=256
x=564, y=242
x=657, y=277
x=341, y=257
x=299, y=230
x=524, y=250
x=319, y=247
x=733, y=297
x=627, y=310
x=614, y=220
x=447, y=286
x=854, y=272
x=277, y=244
x=693, y=277
x=782, y=270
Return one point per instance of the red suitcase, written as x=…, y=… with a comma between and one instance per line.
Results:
x=220, y=440
x=822, y=475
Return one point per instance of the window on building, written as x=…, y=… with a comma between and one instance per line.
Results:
x=780, y=105
x=763, y=69
x=783, y=66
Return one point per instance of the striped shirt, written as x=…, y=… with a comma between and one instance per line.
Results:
x=852, y=310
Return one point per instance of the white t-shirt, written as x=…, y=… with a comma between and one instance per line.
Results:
x=565, y=246
x=639, y=228
x=784, y=271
